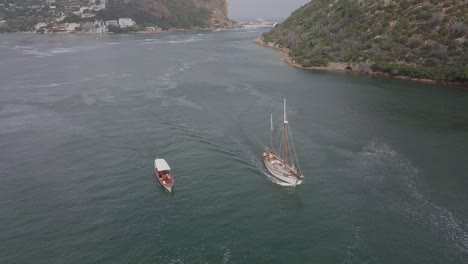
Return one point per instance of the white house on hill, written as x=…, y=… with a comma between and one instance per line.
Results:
x=70, y=27
x=126, y=22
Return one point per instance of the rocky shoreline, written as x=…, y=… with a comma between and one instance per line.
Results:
x=343, y=67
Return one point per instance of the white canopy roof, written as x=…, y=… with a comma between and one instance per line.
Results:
x=161, y=165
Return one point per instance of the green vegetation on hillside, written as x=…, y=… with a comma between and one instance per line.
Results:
x=18, y=20
x=20, y=23
x=183, y=14
x=415, y=38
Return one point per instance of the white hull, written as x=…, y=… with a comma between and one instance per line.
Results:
x=280, y=176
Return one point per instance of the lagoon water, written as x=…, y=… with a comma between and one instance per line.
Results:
x=82, y=119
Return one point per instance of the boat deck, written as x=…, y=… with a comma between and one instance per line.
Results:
x=278, y=165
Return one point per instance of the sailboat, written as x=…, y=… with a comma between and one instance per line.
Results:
x=284, y=165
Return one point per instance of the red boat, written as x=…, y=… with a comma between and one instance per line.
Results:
x=163, y=173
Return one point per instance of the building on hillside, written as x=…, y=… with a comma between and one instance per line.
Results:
x=98, y=5
x=102, y=30
x=72, y=5
x=61, y=27
x=88, y=26
x=99, y=24
x=72, y=8
x=88, y=15
x=126, y=22
x=100, y=27
x=71, y=27
x=82, y=10
x=40, y=25
x=60, y=19
x=111, y=23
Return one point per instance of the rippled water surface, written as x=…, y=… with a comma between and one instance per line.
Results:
x=82, y=119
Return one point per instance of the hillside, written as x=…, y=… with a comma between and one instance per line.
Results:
x=23, y=15
x=424, y=39
x=170, y=13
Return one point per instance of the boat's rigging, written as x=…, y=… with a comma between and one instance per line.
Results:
x=271, y=133
x=296, y=160
x=283, y=135
x=283, y=164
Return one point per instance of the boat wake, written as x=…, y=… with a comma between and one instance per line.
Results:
x=176, y=41
x=184, y=40
x=64, y=50
x=226, y=256
x=352, y=252
x=380, y=157
x=188, y=65
x=168, y=81
x=42, y=53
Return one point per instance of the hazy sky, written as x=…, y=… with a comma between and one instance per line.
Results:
x=268, y=9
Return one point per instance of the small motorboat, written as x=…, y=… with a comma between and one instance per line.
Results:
x=163, y=173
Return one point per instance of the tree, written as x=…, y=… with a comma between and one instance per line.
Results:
x=72, y=18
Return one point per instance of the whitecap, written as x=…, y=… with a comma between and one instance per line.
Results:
x=51, y=85
x=64, y=50
x=183, y=41
x=36, y=53
x=145, y=40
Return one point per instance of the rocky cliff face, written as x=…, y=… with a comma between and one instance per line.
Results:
x=172, y=13
x=219, y=12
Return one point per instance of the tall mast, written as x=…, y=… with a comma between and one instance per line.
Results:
x=271, y=132
x=285, y=139
x=285, y=119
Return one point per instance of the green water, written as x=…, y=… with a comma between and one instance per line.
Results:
x=82, y=119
